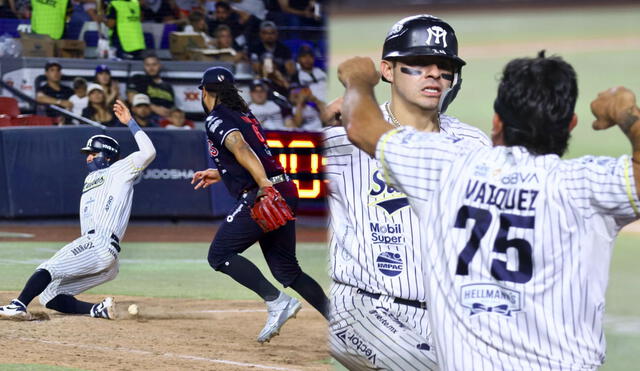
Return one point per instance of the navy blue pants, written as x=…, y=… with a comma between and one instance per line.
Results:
x=239, y=231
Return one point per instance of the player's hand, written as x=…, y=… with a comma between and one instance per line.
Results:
x=332, y=113
x=122, y=112
x=358, y=70
x=615, y=106
x=205, y=178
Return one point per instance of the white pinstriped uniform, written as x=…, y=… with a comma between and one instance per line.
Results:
x=374, y=247
x=517, y=248
x=105, y=207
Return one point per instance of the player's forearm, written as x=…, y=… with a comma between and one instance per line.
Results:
x=146, y=148
x=362, y=117
x=249, y=160
x=631, y=127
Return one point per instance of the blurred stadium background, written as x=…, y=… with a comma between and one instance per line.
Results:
x=601, y=39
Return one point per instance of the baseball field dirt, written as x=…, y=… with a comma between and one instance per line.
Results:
x=168, y=333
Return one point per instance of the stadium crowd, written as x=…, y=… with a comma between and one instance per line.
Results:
x=279, y=42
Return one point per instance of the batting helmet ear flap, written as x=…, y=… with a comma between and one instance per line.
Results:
x=450, y=94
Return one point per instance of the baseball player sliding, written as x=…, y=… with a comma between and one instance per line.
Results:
x=105, y=206
x=379, y=310
x=518, y=241
x=266, y=198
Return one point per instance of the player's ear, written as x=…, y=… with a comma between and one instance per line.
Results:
x=497, y=131
x=574, y=122
x=386, y=69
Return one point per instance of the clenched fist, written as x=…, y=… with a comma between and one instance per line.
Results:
x=615, y=106
x=358, y=70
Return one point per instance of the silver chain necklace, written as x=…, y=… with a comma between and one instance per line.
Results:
x=394, y=120
x=396, y=123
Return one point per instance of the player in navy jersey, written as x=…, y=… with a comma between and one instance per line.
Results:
x=244, y=163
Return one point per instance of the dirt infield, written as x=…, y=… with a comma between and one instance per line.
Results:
x=168, y=334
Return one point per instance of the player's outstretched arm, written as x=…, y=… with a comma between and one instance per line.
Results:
x=361, y=114
x=617, y=106
x=247, y=158
x=147, y=151
x=205, y=178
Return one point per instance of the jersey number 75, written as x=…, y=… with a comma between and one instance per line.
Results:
x=501, y=244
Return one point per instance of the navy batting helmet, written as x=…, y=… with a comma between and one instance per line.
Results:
x=216, y=75
x=425, y=35
x=105, y=145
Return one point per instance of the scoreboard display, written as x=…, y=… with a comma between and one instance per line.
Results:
x=300, y=154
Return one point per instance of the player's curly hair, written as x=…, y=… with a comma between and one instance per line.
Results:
x=536, y=101
x=229, y=96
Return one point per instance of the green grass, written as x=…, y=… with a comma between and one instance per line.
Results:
x=171, y=270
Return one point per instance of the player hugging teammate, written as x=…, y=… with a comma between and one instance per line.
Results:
x=379, y=316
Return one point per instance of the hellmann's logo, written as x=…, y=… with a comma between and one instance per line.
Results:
x=168, y=174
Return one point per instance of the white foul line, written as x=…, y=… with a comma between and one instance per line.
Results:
x=148, y=353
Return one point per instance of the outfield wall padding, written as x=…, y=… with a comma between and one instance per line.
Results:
x=42, y=173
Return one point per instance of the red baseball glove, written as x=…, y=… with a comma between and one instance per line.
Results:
x=270, y=210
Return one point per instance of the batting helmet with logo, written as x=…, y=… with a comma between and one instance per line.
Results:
x=105, y=145
x=425, y=35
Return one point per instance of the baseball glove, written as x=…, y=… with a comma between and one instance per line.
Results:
x=270, y=210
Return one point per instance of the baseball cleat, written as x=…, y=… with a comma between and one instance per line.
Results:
x=280, y=310
x=15, y=309
x=104, y=309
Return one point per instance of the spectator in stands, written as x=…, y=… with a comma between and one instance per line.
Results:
x=301, y=12
x=267, y=111
x=177, y=120
x=123, y=17
x=270, y=58
x=198, y=24
x=49, y=18
x=8, y=9
x=244, y=26
x=97, y=109
x=306, y=110
x=151, y=84
x=141, y=109
x=53, y=92
x=158, y=11
x=309, y=75
x=223, y=14
x=224, y=41
x=110, y=86
x=185, y=7
x=83, y=11
x=79, y=99
x=254, y=7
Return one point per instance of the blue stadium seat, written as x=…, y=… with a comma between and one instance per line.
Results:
x=168, y=29
x=10, y=26
x=149, y=41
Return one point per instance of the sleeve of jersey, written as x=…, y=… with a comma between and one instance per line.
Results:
x=604, y=185
x=413, y=161
x=218, y=129
x=337, y=152
x=134, y=164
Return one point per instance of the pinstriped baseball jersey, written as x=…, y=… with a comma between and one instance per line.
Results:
x=107, y=194
x=374, y=233
x=517, y=248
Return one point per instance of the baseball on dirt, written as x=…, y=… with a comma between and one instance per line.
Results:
x=133, y=309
